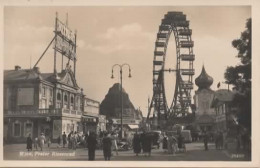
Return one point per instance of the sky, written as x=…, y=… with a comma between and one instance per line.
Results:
x=110, y=35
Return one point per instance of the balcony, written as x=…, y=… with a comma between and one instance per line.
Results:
x=42, y=112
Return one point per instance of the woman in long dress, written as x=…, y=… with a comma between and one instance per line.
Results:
x=114, y=142
x=147, y=144
x=137, y=144
x=107, y=144
x=170, y=144
x=165, y=143
x=92, y=143
x=29, y=143
x=41, y=141
x=174, y=145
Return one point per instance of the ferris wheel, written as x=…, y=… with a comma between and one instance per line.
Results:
x=173, y=23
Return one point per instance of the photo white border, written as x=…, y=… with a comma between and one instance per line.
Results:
x=255, y=4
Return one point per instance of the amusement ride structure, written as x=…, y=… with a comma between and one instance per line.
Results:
x=173, y=23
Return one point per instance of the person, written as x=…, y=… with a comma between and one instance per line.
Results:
x=41, y=141
x=142, y=141
x=114, y=142
x=165, y=143
x=29, y=143
x=136, y=144
x=174, y=145
x=49, y=142
x=170, y=144
x=206, y=138
x=73, y=141
x=147, y=144
x=180, y=142
x=107, y=144
x=86, y=140
x=217, y=140
x=69, y=140
x=64, y=139
x=91, y=142
x=221, y=140
x=36, y=142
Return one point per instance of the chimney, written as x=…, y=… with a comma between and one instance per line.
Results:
x=36, y=69
x=17, y=67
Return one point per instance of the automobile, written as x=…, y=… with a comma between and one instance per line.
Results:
x=185, y=133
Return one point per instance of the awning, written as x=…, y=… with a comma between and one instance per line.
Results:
x=133, y=126
x=86, y=118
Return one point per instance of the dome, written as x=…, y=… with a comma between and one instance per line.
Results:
x=203, y=81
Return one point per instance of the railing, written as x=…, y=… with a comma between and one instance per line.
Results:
x=39, y=112
x=42, y=112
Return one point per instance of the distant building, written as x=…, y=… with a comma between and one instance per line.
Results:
x=111, y=108
x=204, y=115
x=91, y=119
x=224, y=109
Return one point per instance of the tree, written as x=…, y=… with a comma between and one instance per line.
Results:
x=240, y=76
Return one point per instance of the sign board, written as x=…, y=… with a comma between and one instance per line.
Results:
x=126, y=121
x=128, y=113
x=25, y=96
x=65, y=41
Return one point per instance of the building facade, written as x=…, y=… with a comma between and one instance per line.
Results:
x=204, y=115
x=91, y=119
x=225, y=110
x=36, y=103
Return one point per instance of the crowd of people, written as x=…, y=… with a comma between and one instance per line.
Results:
x=140, y=142
x=38, y=142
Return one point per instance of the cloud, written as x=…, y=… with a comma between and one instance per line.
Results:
x=81, y=43
x=25, y=34
x=122, y=38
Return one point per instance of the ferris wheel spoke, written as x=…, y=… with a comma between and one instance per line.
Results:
x=173, y=23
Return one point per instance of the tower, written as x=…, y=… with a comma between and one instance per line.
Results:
x=205, y=115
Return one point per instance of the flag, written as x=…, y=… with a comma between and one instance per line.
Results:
x=218, y=85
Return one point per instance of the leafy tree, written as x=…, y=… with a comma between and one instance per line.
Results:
x=240, y=76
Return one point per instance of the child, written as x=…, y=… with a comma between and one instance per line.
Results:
x=49, y=142
x=36, y=143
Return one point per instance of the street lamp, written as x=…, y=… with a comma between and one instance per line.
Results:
x=121, y=89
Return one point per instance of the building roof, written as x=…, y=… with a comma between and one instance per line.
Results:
x=25, y=74
x=221, y=96
x=203, y=81
x=224, y=95
x=66, y=76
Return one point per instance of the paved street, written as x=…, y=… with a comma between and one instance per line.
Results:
x=195, y=152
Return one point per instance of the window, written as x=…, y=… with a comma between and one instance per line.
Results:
x=72, y=127
x=65, y=98
x=17, y=129
x=51, y=92
x=71, y=99
x=44, y=103
x=58, y=96
x=68, y=127
x=28, y=128
x=43, y=91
